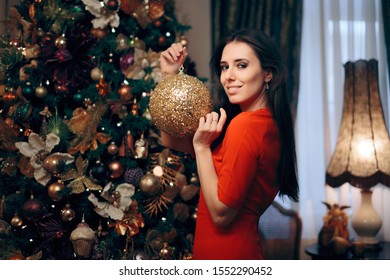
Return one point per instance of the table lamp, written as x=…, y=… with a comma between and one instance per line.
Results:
x=362, y=154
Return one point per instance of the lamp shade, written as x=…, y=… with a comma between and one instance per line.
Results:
x=362, y=154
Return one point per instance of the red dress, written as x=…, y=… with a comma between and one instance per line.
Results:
x=246, y=164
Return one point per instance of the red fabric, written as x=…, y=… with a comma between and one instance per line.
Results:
x=246, y=164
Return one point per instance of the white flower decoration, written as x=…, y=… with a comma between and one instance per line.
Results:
x=103, y=16
x=37, y=150
x=114, y=210
x=144, y=60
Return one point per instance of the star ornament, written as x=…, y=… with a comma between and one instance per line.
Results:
x=79, y=181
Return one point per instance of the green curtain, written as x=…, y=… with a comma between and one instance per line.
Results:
x=281, y=19
x=386, y=27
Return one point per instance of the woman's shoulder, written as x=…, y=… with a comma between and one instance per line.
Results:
x=248, y=118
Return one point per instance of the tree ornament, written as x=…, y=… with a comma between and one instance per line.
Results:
x=183, y=40
x=126, y=60
x=99, y=33
x=194, y=179
x=154, y=239
x=134, y=108
x=40, y=91
x=33, y=209
x=122, y=42
x=67, y=213
x=82, y=238
x=10, y=98
x=60, y=42
x=99, y=172
x=113, y=149
x=124, y=92
x=53, y=163
x=177, y=103
x=54, y=189
x=79, y=181
x=96, y=74
x=27, y=90
x=16, y=221
x=187, y=256
x=112, y=5
x=133, y=176
x=141, y=148
x=188, y=192
x=150, y=184
x=147, y=115
x=166, y=253
x=102, y=87
x=127, y=147
x=23, y=111
x=116, y=169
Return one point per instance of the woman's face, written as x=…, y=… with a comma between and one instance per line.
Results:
x=242, y=76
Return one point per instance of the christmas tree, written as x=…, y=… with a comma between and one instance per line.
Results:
x=83, y=173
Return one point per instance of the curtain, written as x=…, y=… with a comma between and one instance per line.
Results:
x=334, y=32
x=386, y=28
x=280, y=19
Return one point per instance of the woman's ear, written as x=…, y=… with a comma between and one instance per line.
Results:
x=268, y=76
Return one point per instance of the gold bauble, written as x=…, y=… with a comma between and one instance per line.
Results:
x=166, y=252
x=16, y=221
x=150, y=184
x=51, y=163
x=60, y=42
x=96, y=74
x=54, y=189
x=177, y=103
x=67, y=213
x=40, y=92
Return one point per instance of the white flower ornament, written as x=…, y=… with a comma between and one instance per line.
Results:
x=37, y=150
x=114, y=210
x=103, y=16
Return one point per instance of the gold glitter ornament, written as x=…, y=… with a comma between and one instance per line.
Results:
x=177, y=103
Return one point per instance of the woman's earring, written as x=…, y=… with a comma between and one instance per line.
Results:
x=267, y=86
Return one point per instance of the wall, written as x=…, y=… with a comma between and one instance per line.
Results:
x=197, y=14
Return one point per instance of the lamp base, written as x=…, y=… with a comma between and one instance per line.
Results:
x=366, y=222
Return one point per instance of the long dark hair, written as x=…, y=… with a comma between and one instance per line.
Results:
x=270, y=59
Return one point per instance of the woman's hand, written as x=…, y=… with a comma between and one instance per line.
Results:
x=209, y=128
x=172, y=58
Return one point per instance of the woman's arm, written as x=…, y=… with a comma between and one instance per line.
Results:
x=209, y=129
x=170, y=61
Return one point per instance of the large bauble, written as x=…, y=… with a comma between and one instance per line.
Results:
x=150, y=184
x=177, y=103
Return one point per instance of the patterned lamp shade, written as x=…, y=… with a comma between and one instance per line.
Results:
x=362, y=155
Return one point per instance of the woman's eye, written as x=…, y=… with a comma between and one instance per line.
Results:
x=224, y=67
x=241, y=65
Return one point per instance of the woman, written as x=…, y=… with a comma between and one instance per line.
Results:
x=245, y=154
